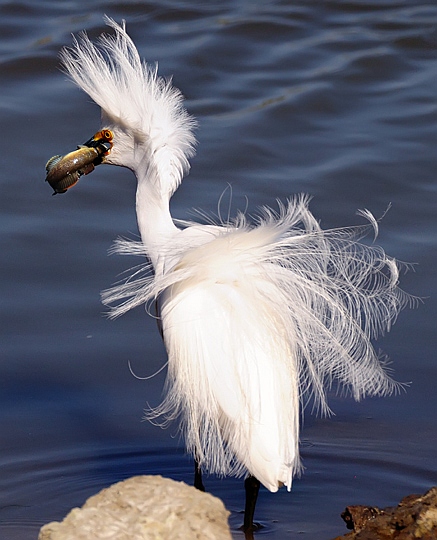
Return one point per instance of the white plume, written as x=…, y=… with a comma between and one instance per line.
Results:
x=134, y=100
x=309, y=299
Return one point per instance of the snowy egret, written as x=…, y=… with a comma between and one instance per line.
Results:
x=258, y=317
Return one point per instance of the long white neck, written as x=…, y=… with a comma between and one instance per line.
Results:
x=154, y=221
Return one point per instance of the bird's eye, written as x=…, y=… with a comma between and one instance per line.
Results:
x=107, y=134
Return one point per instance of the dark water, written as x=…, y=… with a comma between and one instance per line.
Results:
x=337, y=100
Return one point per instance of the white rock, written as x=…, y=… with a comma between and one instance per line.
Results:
x=144, y=508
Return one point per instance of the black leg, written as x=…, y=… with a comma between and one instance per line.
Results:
x=158, y=318
x=198, y=484
x=251, y=485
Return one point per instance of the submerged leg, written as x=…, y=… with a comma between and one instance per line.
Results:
x=251, y=485
x=198, y=484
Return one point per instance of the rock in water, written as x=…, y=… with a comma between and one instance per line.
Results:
x=415, y=517
x=144, y=508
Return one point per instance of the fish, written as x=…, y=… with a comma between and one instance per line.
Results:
x=63, y=172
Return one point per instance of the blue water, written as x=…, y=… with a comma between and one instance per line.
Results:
x=337, y=100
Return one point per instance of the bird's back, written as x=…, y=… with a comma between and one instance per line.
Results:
x=232, y=370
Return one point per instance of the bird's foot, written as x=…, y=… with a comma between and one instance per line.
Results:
x=198, y=483
x=249, y=530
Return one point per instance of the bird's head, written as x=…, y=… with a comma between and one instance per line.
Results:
x=144, y=124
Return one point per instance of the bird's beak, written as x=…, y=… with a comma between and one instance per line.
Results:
x=102, y=142
x=63, y=172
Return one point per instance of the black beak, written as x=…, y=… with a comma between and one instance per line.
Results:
x=102, y=146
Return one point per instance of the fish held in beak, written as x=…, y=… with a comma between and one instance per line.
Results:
x=63, y=172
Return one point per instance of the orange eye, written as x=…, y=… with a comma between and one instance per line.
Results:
x=107, y=134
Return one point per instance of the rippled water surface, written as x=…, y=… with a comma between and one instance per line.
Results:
x=337, y=100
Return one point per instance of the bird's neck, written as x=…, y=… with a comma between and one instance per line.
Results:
x=154, y=221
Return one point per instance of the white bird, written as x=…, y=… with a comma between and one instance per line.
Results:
x=258, y=318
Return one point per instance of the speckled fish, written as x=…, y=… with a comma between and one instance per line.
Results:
x=63, y=172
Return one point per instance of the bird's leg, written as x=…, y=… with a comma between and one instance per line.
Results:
x=251, y=485
x=198, y=484
x=158, y=318
x=197, y=471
